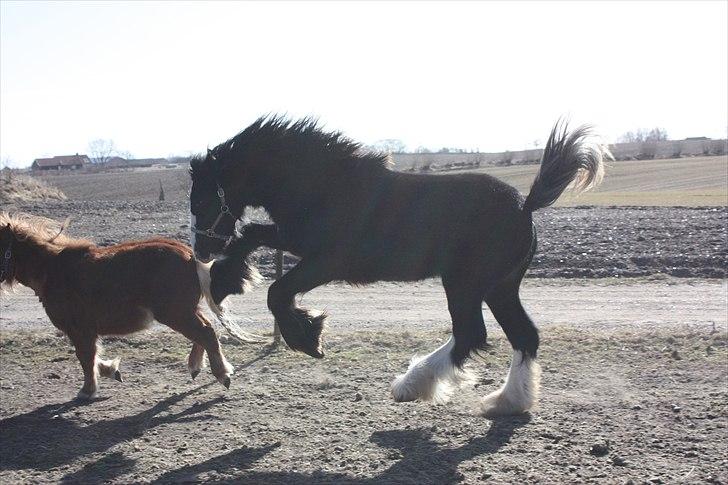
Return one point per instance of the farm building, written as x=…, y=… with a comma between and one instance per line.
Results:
x=62, y=162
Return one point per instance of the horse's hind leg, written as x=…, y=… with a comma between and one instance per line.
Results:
x=434, y=377
x=109, y=368
x=520, y=392
x=195, y=362
x=195, y=327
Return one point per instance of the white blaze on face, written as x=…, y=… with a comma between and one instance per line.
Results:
x=193, y=222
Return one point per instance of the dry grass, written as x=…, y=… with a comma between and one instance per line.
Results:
x=699, y=181
x=16, y=188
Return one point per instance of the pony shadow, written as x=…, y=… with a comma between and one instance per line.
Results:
x=422, y=460
x=43, y=439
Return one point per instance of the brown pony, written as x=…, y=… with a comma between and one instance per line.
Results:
x=88, y=291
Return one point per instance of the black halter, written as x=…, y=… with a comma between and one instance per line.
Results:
x=224, y=210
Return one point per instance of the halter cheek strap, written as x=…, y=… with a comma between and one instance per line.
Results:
x=224, y=210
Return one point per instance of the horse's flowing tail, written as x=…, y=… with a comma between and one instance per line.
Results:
x=569, y=158
x=203, y=274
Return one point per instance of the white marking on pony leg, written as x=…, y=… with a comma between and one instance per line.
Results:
x=227, y=370
x=519, y=393
x=107, y=368
x=196, y=360
x=430, y=378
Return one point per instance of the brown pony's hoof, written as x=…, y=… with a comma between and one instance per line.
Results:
x=117, y=376
x=226, y=383
x=195, y=373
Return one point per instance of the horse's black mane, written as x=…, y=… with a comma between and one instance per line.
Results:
x=300, y=141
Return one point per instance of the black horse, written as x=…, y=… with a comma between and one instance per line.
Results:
x=350, y=218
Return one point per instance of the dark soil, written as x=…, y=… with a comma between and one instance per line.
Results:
x=583, y=242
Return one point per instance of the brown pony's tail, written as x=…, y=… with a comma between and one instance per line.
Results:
x=569, y=158
x=203, y=275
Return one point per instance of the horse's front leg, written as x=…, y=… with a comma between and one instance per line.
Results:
x=300, y=328
x=85, y=345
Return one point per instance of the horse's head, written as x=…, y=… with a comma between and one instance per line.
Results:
x=215, y=205
x=23, y=239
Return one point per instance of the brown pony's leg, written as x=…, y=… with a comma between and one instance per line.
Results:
x=109, y=368
x=196, y=328
x=85, y=345
x=195, y=362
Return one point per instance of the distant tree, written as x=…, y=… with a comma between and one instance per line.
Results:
x=126, y=155
x=451, y=150
x=391, y=145
x=642, y=135
x=677, y=148
x=657, y=134
x=101, y=150
x=422, y=149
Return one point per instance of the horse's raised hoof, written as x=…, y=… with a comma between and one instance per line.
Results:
x=226, y=383
x=195, y=373
x=117, y=376
x=305, y=332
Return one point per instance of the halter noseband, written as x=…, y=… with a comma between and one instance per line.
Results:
x=224, y=210
x=5, y=266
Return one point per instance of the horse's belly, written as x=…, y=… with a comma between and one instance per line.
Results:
x=125, y=321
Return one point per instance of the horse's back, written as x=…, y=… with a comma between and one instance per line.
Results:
x=420, y=225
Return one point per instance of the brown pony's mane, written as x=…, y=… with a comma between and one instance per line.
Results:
x=41, y=231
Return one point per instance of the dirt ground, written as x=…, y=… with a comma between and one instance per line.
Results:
x=634, y=388
x=631, y=301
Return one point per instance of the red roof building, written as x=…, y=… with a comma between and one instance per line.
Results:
x=62, y=162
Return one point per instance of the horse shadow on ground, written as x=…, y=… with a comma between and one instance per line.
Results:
x=422, y=460
x=43, y=439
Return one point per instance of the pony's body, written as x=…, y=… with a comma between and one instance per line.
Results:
x=351, y=218
x=90, y=291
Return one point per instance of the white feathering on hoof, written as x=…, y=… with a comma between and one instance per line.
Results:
x=520, y=392
x=431, y=378
x=203, y=274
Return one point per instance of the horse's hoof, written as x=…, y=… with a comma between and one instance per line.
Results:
x=117, y=376
x=226, y=383
x=85, y=396
x=316, y=353
x=195, y=373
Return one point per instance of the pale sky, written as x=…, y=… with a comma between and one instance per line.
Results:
x=172, y=78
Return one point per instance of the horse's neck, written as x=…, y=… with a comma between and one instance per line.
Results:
x=32, y=264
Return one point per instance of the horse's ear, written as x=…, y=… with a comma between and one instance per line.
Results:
x=210, y=155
